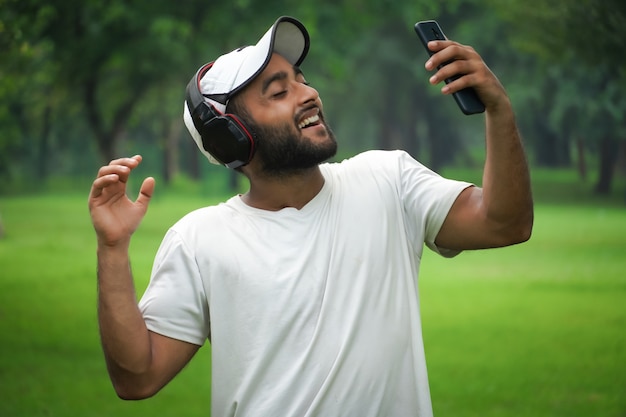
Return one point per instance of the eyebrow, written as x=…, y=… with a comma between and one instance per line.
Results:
x=279, y=76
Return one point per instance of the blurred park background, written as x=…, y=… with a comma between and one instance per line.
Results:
x=533, y=330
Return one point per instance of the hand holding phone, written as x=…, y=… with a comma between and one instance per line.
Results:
x=467, y=99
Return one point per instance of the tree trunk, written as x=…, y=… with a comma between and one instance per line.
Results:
x=581, y=160
x=170, y=150
x=43, y=155
x=547, y=147
x=608, y=157
x=107, y=138
x=193, y=160
x=412, y=145
x=442, y=139
x=107, y=147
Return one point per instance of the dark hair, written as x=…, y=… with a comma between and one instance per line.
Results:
x=237, y=107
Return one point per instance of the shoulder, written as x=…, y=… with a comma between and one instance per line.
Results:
x=205, y=220
x=202, y=232
x=371, y=161
x=377, y=157
x=202, y=215
x=395, y=166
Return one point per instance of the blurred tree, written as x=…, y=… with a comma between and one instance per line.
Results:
x=124, y=66
x=374, y=85
x=20, y=111
x=111, y=54
x=579, y=46
x=106, y=70
x=76, y=55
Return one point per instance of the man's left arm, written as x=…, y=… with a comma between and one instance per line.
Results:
x=501, y=212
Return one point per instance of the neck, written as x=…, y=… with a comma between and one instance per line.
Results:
x=276, y=193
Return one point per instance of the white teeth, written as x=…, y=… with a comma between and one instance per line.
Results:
x=308, y=121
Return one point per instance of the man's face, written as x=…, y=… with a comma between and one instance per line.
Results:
x=286, y=113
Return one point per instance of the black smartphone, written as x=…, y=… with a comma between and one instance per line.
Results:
x=467, y=99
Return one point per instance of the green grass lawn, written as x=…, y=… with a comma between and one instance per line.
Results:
x=533, y=330
x=50, y=358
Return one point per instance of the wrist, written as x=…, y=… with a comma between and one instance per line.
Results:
x=105, y=247
x=500, y=105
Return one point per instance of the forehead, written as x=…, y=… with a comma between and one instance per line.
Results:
x=277, y=69
x=276, y=61
x=277, y=65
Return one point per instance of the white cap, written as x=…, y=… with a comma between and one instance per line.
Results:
x=233, y=71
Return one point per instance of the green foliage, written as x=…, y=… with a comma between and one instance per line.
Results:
x=112, y=74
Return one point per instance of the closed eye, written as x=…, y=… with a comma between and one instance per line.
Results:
x=279, y=94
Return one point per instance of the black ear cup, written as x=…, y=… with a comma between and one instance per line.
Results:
x=224, y=136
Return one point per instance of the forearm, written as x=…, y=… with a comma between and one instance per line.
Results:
x=500, y=213
x=139, y=362
x=125, y=338
x=507, y=196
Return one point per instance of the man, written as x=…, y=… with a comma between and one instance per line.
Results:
x=306, y=285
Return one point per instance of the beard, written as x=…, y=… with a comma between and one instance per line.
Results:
x=284, y=150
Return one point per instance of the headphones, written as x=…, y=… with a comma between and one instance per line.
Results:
x=223, y=135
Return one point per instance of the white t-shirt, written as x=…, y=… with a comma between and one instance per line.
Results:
x=313, y=312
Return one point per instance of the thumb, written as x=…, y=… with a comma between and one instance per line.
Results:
x=145, y=192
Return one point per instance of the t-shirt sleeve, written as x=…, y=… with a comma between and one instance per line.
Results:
x=427, y=199
x=175, y=303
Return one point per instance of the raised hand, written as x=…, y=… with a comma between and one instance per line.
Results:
x=473, y=72
x=114, y=216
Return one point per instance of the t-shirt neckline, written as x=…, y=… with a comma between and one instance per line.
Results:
x=311, y=206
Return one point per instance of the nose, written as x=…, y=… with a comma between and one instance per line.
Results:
x=308, y=93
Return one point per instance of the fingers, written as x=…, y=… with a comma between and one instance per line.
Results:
x=445, y=51
x=462, y=67
x=452, y=59
x=145, y=192
x=117, y=171
x=101, y=182
x=458, y=75
x=122, y=167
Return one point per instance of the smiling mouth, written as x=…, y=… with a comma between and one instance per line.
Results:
x=309, y=121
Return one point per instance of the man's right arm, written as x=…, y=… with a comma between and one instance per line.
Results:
x=139, y=362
